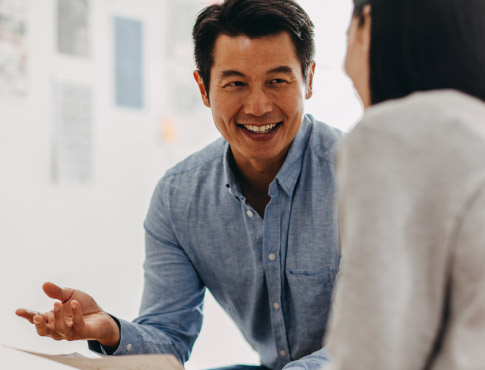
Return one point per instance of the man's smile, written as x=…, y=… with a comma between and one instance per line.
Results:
x=261, y=129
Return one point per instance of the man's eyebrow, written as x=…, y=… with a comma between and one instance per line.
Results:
x=231, y=73
x=281, y=69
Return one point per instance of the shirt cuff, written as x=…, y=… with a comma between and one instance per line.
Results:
x=128, y=340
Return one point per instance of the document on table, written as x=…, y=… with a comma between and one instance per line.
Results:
x=128, y=362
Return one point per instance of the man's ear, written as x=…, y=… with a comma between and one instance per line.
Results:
x=309, y=82
x=203, y=91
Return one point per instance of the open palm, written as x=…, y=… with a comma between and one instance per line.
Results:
x=75, y=316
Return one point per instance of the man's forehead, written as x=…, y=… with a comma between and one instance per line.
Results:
x=245, y=42
x=266, y=52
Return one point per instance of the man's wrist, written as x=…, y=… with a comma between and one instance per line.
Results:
x=113, y=335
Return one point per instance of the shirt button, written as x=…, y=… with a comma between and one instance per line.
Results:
x=283, y=353
x=249, y=213
x=272, y=256
x=229, y=191
x=129, y=347
x=276, y=306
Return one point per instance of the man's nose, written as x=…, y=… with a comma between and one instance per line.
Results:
x=257, y=102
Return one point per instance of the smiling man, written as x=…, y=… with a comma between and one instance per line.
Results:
x=256, y=91
x=251, y=217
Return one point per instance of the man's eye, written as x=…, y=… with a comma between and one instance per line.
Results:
x=277, y=81
x=235, y=84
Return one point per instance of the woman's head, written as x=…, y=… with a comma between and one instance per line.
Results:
x=397, y=47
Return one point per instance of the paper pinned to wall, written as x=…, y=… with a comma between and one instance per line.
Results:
x=129, y=362
x=182, y=94
x=13, y=48
x=73, y=133
x=73, y=27
x=128, y=62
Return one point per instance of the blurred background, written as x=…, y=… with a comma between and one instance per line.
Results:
x=97, y=101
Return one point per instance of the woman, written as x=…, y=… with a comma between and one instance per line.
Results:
x=411, y=291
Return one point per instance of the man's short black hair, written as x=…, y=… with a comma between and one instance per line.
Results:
x=419, y=45
x=252, y=18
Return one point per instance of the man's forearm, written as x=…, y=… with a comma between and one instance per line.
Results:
x=143, y=339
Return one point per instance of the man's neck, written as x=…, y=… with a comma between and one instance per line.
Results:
x=255, y=177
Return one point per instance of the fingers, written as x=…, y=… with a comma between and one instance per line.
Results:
x=60, y=323
x=56, y=292
x=44, y=325
x=78, y=324
x=26, y=314
x=59, y=319
x=65, y=327
x=40, y=325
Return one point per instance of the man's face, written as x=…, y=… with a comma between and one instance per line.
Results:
x=257, y=95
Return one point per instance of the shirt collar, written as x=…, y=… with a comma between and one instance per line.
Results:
x=229, y=177
x=289, y=172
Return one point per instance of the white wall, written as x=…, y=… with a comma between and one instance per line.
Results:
x=90, y=236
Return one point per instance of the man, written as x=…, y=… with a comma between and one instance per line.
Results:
x=250, y=217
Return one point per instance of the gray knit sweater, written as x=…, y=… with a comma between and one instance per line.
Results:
x=411, y=291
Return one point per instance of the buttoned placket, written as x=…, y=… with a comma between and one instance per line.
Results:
x=271, y=262
x=272, y=269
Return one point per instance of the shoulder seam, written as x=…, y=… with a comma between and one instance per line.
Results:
x=323, y=156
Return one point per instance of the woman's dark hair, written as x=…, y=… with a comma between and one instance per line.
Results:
x=419, y=45
x=252, y=18
x=359, y=8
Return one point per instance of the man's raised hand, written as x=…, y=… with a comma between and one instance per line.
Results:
x=75, y=316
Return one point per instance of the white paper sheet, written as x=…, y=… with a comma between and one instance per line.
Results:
x=14, y=54
x=73, y=27
x=130, y=362
x=73, y=136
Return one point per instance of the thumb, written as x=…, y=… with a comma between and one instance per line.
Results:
x=56, y=292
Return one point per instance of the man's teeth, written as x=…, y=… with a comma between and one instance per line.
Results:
x=260, y=129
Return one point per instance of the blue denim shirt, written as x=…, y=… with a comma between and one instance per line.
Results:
x=273, y=276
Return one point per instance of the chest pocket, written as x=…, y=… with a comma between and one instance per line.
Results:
x=311, y=294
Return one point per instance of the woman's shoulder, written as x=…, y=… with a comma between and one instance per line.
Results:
x=428, y=111
x=442, y=117
x=438, y=133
